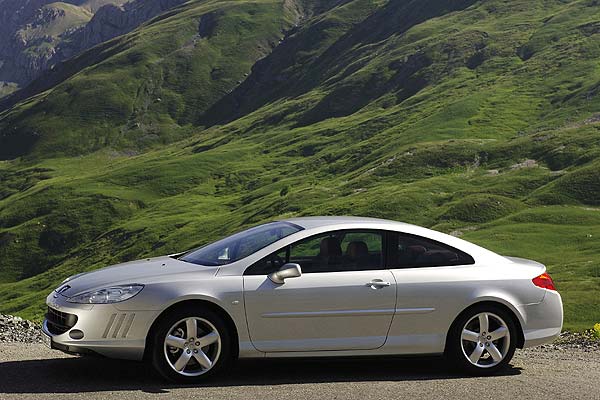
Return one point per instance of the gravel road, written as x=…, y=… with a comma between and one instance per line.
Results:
x=29, y=370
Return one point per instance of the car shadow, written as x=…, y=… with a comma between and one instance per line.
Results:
x=90, y=374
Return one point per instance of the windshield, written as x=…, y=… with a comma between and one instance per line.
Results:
x=240, y=245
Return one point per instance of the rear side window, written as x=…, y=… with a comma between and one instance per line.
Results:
x=408, y=251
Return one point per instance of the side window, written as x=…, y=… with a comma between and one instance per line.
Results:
x=408, y=251
x=271, y=263
x=363, y=250
x=338, y=251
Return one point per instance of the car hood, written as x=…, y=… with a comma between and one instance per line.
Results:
x=145, y=271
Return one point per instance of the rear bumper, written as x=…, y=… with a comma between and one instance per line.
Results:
x=542, y=321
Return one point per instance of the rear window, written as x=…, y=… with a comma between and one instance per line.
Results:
x=240, y=245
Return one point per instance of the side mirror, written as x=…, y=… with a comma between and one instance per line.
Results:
x=287, y=271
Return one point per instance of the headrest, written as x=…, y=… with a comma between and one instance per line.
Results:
x=357, y=249
x=330, y=247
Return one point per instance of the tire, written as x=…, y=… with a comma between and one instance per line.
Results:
x=182, y=357
x=479, y=351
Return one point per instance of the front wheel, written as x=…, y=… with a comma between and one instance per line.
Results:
x=482, y=341
x=190, y=345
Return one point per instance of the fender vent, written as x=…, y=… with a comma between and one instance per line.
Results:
x=118, y=325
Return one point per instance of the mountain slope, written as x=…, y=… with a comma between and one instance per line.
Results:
x=355, y=35
x=40, y=34
x=475, y=118
x=145, y=87
x=36, y=34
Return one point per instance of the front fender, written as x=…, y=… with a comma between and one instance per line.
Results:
x=225, y=292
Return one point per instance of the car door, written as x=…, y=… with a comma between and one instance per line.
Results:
x=343, y=300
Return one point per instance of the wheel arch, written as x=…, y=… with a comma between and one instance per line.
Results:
x=496, y=303
x=234, y=335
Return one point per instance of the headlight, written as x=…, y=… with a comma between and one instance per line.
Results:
x=113, y=294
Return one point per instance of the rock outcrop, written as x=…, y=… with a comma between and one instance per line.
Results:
x=113, y=20
x=16, y=64
x=35, y=35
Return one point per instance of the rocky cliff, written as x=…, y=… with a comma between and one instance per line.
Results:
x=35, y=35
x=113, y=20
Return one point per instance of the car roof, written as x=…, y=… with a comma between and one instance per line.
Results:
x=322, y=221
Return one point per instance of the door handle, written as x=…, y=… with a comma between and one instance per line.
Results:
x=378, y=284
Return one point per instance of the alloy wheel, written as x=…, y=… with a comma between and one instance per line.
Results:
x=192, y=346
x=485, y=340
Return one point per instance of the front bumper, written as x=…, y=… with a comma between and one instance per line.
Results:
x=107, y=330
x=542, y=321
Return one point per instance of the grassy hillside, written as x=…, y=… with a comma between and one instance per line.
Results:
x=475, y=118
x=144, y=88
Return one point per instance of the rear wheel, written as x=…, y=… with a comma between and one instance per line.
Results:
x=482, y=340
x=190, y=345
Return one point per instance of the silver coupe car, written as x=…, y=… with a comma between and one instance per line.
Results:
x=310, y=287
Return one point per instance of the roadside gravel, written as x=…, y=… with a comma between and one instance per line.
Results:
x=17, y=329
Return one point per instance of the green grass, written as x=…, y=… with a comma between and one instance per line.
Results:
x=476, y=118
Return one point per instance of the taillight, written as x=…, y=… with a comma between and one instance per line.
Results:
x=544, y=281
